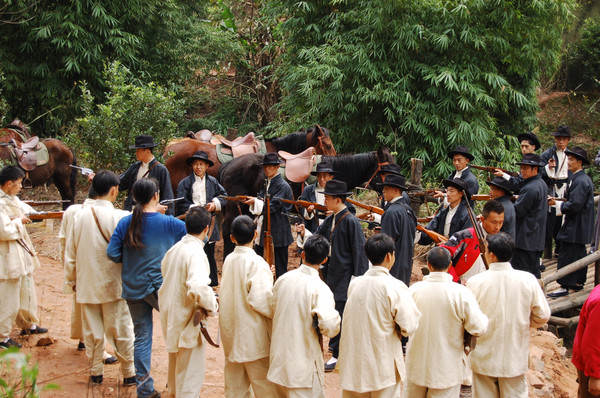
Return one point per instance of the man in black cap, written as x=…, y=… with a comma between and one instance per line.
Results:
x=555, y=173
x=530, y=211
x=314, y=193
x=399, y=222
x=276, y=187
x=347, y=258
x=578, y=228
x=460, y=159
x=145, y=167
x=453, y=218
x=201, y=189
x=500, y=191
x=529, y=142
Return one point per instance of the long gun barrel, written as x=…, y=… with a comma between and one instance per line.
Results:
x=167, y=202
x=84, y=170
x=303, y=203
x=238, y=198
x=490, y=169
x=45, y=202
x=436, y=237
x=45, y=215
x=478, y=234
x=371, y=209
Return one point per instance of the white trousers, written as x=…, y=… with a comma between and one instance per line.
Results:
x=316, y=391
x=389, y=392
x=499, y=387
x=186, y=372
x=415, y=391
x=18, y=303
x=76, y=321
x=239, y=377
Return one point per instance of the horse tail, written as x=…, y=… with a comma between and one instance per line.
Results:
x=73, y=177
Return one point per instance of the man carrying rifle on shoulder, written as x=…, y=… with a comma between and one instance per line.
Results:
x=460, y=160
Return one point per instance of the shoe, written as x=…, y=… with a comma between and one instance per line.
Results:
x=155, y=394
x=129, y=381
x=561, y=292
x=97, y=379
x=110, y=360
x=576, y=288
x=330, y=365
x=81, y=346
x=9, y=343
x=37, y=330
x=542, y=268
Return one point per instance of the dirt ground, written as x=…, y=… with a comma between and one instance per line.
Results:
x=62, y=364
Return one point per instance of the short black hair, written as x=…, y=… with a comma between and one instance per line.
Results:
x=316, y=249
x=439, y=258
x=492, y=206
x=10, y=173
x=103, y=181
x=378, y=246
x=502, y=245
x=242, y=229
x=196, y=220
x=91, y=193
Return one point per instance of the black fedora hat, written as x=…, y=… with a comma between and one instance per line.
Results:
x=200, y=155
x=562, y=131
x=391, y=168
x=501, y=183
x=531, y=159
x=143, y=142
x=271, y=158
x=336, y=188
x=529, y=136
x=395, y=180
x=324, y=167
x=461, y=150
x=579, y=153
x=459, y=184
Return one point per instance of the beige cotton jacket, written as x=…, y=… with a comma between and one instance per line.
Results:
x=15, y=260
x=185, y=288
x=97, y=278
x=370, y=347
x=299, y=296
x=434, y=352
x=245, y=306
x=513, y=301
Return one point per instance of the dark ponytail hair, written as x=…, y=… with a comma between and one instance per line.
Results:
x=143, y=191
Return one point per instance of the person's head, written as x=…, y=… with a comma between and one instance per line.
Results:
x=379, y=249
x=143, y=148
x=335, y=194
x=438, y=259
x=197, y=220
x=460, y=157
x=576, y=158
x=529, y=142
x=391, y=168
x=11, y=179
x=145, y=192
x=324, y=173
x=455, y=190
x=271, y=164
x=530, y=165
x=499, y=187
x=316, y=250
x=91, y=193
x=562, y=136
x=393, y=186
x=501, y=246
x=199, y=163
x=492, y=217
x=144, y=155
x=106, y=184
x=243, y=230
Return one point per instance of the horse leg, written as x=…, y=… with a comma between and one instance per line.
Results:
x=65, y=179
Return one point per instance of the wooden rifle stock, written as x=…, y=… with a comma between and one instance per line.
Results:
x=237, y=198
x=490, y=169
x=437, y=238
x=478, y=234
x=425, y=219
x=303, y=203
x=34, y=203
x=371, y=209
x=481, y=197
x=427, y=192
x=269, y=249
x=45, y=215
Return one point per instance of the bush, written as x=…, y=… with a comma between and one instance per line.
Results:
x=102, y=138
x=584, y=65
x=17, y=377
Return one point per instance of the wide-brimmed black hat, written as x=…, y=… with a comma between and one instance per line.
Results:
x=143, y=142
x=579, y=153
x=394, y=180
x=531, y=159
x=529, y=136
x=324, y=167
x=461, y=150
x=562, y=131
x=459, y=184
x=271, y=158
x=501, y=183
x=336, y=188
x=200, y=155
x=391, y=168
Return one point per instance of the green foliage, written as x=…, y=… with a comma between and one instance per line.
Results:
x=17, y=377
x=103, y=136
x=585, y=57
x=420, y=76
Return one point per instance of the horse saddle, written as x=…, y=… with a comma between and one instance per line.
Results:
x=29, y=154
x=298, y=166
x=203, y=135
x=238, y=147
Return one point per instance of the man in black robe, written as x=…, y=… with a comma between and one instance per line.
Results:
x=500, y=191
x=461, y=157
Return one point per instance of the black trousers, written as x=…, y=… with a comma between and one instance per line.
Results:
x=281, y=258
x=209, y=249
x=334, y=342
x=571, y=252
x=526, y=260
x=553, y=224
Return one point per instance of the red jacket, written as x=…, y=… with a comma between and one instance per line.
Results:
x=586, y=347
x=464, y=248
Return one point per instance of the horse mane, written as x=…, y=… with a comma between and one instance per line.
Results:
x=292, y=143
x=354, y=170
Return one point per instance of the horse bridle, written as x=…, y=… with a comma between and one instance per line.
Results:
x=376, y=171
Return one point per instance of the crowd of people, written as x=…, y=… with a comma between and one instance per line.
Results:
x=388, y=337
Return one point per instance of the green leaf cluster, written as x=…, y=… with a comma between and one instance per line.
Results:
x=18, y=378
x=585, y=58
x=418, y=75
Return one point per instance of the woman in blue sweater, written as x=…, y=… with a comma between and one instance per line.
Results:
x=140, y=242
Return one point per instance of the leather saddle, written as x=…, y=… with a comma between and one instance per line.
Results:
x=238, y=147
x=298, y=166
x=203, y=135
x=29, y=154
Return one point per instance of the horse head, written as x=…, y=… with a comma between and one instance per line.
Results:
x=318, y=137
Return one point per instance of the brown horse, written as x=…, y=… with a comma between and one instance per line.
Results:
x=177, y=152
x=57, y=170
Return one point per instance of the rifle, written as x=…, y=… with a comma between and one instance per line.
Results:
x=237, y=198
x=369, y=208
x=437, y=238
x=84, y=170
x=45, y=202
x=490, y=169
x=269, y=249
x=167, y=202
x=427, y=192
x=425, y=219
x=293, y=219
x=45, y=215
x=478, y=234
x=304, y=203
x=481, y=197
x=558, y=199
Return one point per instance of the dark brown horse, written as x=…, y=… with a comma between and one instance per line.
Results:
x=57, y=170
x=178, y=151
